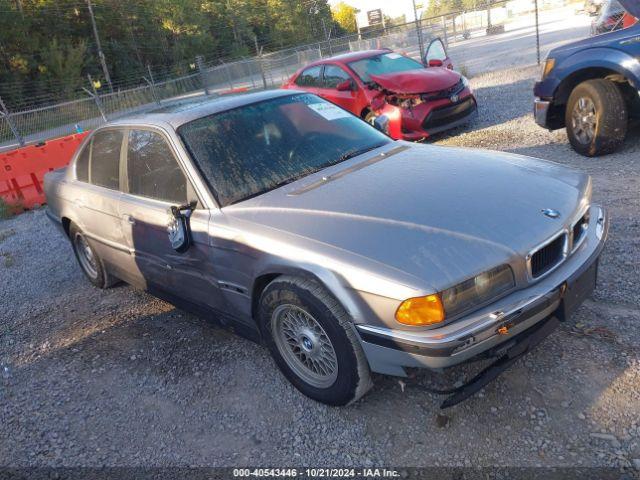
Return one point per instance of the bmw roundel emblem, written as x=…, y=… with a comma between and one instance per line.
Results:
x=551, y=213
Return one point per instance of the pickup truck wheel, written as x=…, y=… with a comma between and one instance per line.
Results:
x=311, y=339
x=89, y=261
x=596, y=118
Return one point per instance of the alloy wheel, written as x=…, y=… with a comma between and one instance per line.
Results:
x=583, y=119
x=304, y=345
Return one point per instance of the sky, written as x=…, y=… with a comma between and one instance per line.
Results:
x=392, y=8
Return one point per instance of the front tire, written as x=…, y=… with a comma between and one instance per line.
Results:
x=311, y=339
x=596, y=118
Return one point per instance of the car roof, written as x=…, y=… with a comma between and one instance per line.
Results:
x=181, y=111
x=350, y=56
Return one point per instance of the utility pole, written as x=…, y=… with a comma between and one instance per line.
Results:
x=259, y=54
x=96, y=98
x=105, y=70
x=537, y=33
x=418, y=31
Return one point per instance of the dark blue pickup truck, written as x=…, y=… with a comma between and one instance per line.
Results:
x=592, y=87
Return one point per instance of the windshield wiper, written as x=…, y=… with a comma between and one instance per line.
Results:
x=358, y=151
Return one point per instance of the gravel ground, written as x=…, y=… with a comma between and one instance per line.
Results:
x=93, y=378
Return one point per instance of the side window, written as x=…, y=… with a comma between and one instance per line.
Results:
x=152, y=170
x=82, y=164
x=436, y=51
x=309, y=77
x=105, y=159
x=333, y=76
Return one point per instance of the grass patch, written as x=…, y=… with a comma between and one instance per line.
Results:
x=5, y=210
x=463, y=70
x=4, y=234
x=9, y=210
x=8, y=259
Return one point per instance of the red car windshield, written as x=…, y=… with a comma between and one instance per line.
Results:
x=385, y=63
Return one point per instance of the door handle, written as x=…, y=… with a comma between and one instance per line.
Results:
x=129, y=219
x=79, y=203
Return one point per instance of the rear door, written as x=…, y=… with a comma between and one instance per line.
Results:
x=98, y=195
x=309, y=79
x=155, y=181
x=332, y=76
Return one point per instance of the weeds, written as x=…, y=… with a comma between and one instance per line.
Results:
x=4, y=234
x=8, y=259
x=5, y=210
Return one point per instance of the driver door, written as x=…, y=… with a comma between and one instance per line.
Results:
x=332, y=76
x=154, y=182
x=436, y=55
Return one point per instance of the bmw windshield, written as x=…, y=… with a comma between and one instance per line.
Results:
x=258, y=147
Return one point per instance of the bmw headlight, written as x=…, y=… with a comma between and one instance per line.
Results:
x=472, y=293
x=477, y=290
x=465, y=81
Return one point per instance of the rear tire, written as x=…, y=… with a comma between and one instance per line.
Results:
x=596, y=118
x=88, y=259
x=311, y=339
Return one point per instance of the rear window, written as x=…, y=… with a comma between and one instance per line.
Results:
x=258, y=147
x=309, y=77
x=105, y=159
x=82, y=164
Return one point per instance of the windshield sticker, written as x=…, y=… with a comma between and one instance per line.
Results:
x=393, y=56
x=329, y=111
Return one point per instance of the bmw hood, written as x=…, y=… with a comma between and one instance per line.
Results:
x=436, y=213
x=425, y=80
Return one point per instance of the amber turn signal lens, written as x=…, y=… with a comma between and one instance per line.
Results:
x=421, y=311
x=549, y=64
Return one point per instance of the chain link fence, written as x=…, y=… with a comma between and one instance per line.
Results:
x=470, y=37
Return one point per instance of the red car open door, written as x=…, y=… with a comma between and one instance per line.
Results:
x=436, y=55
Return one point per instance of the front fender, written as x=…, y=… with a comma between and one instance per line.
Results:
x=596, y=59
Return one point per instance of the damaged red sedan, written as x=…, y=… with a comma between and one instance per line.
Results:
x=410, y=100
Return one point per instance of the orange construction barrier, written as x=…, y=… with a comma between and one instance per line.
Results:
x=22, y=170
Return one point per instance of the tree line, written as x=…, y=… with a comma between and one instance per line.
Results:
x=47, y=47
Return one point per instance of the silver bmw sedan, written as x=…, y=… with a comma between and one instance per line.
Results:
x=297, y=224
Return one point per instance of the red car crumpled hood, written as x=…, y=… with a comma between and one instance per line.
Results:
x=418, y=81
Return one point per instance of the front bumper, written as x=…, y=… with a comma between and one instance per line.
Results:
x=541, y=111
x=558, y=294
x=433, y=117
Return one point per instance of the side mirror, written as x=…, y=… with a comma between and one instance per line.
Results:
x=344, y=86
x=179, y=228
x=434, y=62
